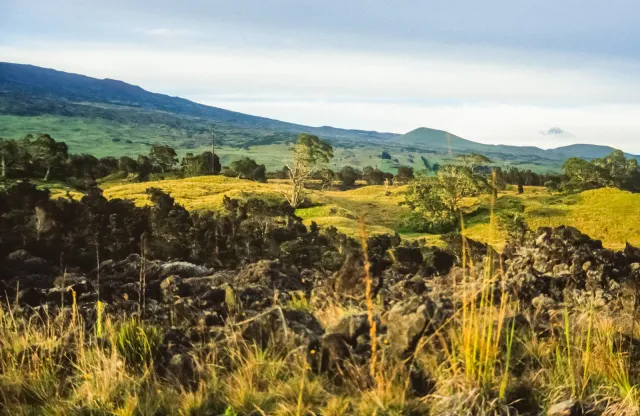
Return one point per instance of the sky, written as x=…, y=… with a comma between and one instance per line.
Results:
x=543, y=73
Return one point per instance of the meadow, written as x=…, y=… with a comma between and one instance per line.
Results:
x=606, y=214
x=129, y=133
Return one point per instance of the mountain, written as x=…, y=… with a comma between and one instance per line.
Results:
x=439, y=139
x=28, y=81
x=111, y=117
x=587, y=151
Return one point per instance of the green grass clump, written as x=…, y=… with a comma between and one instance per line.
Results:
x=137, y=343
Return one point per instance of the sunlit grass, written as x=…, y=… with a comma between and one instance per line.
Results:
x=606, y=214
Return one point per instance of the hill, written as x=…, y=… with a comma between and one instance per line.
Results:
x=62, y=90
x=426, y=138
x=588, y=151
x=111, y=117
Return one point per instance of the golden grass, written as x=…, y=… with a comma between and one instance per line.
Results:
x=606, y=214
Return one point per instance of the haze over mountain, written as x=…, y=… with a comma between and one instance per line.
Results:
x=54, y=97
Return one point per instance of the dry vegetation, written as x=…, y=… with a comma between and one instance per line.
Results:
x=480, y=361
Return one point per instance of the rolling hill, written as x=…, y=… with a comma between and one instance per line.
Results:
x=111, y=117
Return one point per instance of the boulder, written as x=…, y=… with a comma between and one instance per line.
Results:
x=409, y=320
x=351, y=327
x=268, y=273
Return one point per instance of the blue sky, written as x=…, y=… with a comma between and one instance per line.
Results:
x=545, y=73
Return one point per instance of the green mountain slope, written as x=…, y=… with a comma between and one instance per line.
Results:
x=47, y=91
x=112, y=117
x=586, y=151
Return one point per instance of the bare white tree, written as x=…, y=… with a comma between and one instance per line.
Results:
x=308, y=153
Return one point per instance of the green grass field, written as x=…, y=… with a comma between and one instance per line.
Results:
x=102, y=137
x=606, y=214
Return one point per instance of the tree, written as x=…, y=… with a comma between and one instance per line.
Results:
x=259, y=174
x=191, y=165
x=473, y=161
x=584, y=175
x=107, y=165
x=9, y=154
x=308, y=152
x=426, y=163
x=373, y=176
x=163, y=157
x=203, y=164
x=243, y=167
x=622, y=171
x=210, y=163
x=439, y=198
x=405, y=174
x=385, y=155
x=348, y=176
x=247, y=168
x=46, y=152
x=83, y=166
x=144, y=168
x=326, y=176
x=127, y=165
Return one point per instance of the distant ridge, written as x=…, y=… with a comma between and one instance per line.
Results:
x=27, y=90
x=19, y=79
x=433, y=138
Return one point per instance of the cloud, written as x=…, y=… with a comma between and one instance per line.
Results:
x=337, y=75
x=556, y=131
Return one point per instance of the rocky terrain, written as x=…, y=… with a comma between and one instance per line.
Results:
x=416, y=291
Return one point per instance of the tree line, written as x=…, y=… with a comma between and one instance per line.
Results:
x=614, y=170
x=42, y=157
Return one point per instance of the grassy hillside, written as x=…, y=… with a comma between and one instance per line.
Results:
x=606, y=214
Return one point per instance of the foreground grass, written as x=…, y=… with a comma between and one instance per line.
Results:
x=478, y=362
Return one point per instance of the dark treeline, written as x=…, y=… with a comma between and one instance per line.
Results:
x=348, y=175
x=44, y=158
x=515, y=176
x=76, y=232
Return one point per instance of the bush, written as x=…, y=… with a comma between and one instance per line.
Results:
x=417, y=223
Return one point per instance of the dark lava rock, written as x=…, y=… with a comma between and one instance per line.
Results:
x=24, y=262
x=269, y=273
x=330, y=354
x=351, y=327
x=409, y=320
x=632, y=253
x=278, y=326
x=554, y=261
x=31, y=297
